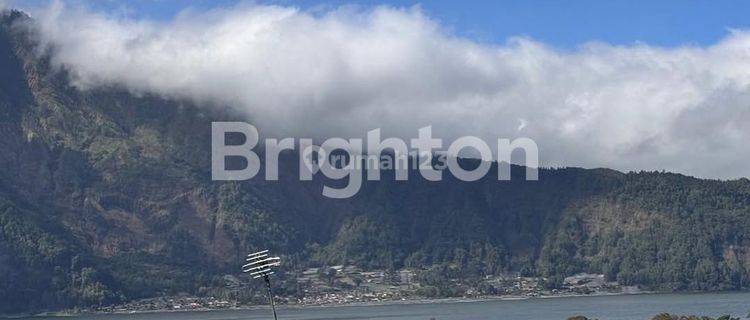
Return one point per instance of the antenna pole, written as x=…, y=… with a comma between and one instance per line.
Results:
x=259, y=265
x=270, y=296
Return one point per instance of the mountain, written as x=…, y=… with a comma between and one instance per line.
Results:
x=106, y=196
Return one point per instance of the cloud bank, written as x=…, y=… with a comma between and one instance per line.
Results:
x=343, y=71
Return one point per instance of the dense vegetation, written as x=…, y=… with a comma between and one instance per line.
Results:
x=105, y=196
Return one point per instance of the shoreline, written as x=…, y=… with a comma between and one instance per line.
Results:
x=295, y=306
x=415, y=301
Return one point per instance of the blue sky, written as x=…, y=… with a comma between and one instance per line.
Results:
x=563, y=24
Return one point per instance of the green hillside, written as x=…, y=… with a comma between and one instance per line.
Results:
x=106, y=196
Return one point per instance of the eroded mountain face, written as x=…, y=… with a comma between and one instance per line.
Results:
x=106, y=195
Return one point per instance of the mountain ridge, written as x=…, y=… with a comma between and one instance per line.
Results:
x=106, y=196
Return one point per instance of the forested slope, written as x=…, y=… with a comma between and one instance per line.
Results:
x=106, y=196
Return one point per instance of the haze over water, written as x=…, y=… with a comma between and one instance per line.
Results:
x=629, y=307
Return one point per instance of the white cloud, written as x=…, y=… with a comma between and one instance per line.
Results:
x=344, y=71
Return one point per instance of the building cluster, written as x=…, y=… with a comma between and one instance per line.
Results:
x=178, y=303
x=351, y=284
x=347, y=284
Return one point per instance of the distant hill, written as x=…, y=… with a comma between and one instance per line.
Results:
x=106, y=196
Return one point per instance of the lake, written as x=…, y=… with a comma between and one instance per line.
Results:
x=627, y=307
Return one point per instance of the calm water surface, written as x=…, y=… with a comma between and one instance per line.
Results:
x=603, y=307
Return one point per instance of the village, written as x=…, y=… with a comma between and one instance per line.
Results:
x=338, y=285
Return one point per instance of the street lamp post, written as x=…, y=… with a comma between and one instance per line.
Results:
x=259, y=266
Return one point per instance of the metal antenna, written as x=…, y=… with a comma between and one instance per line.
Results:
x=259, y=266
